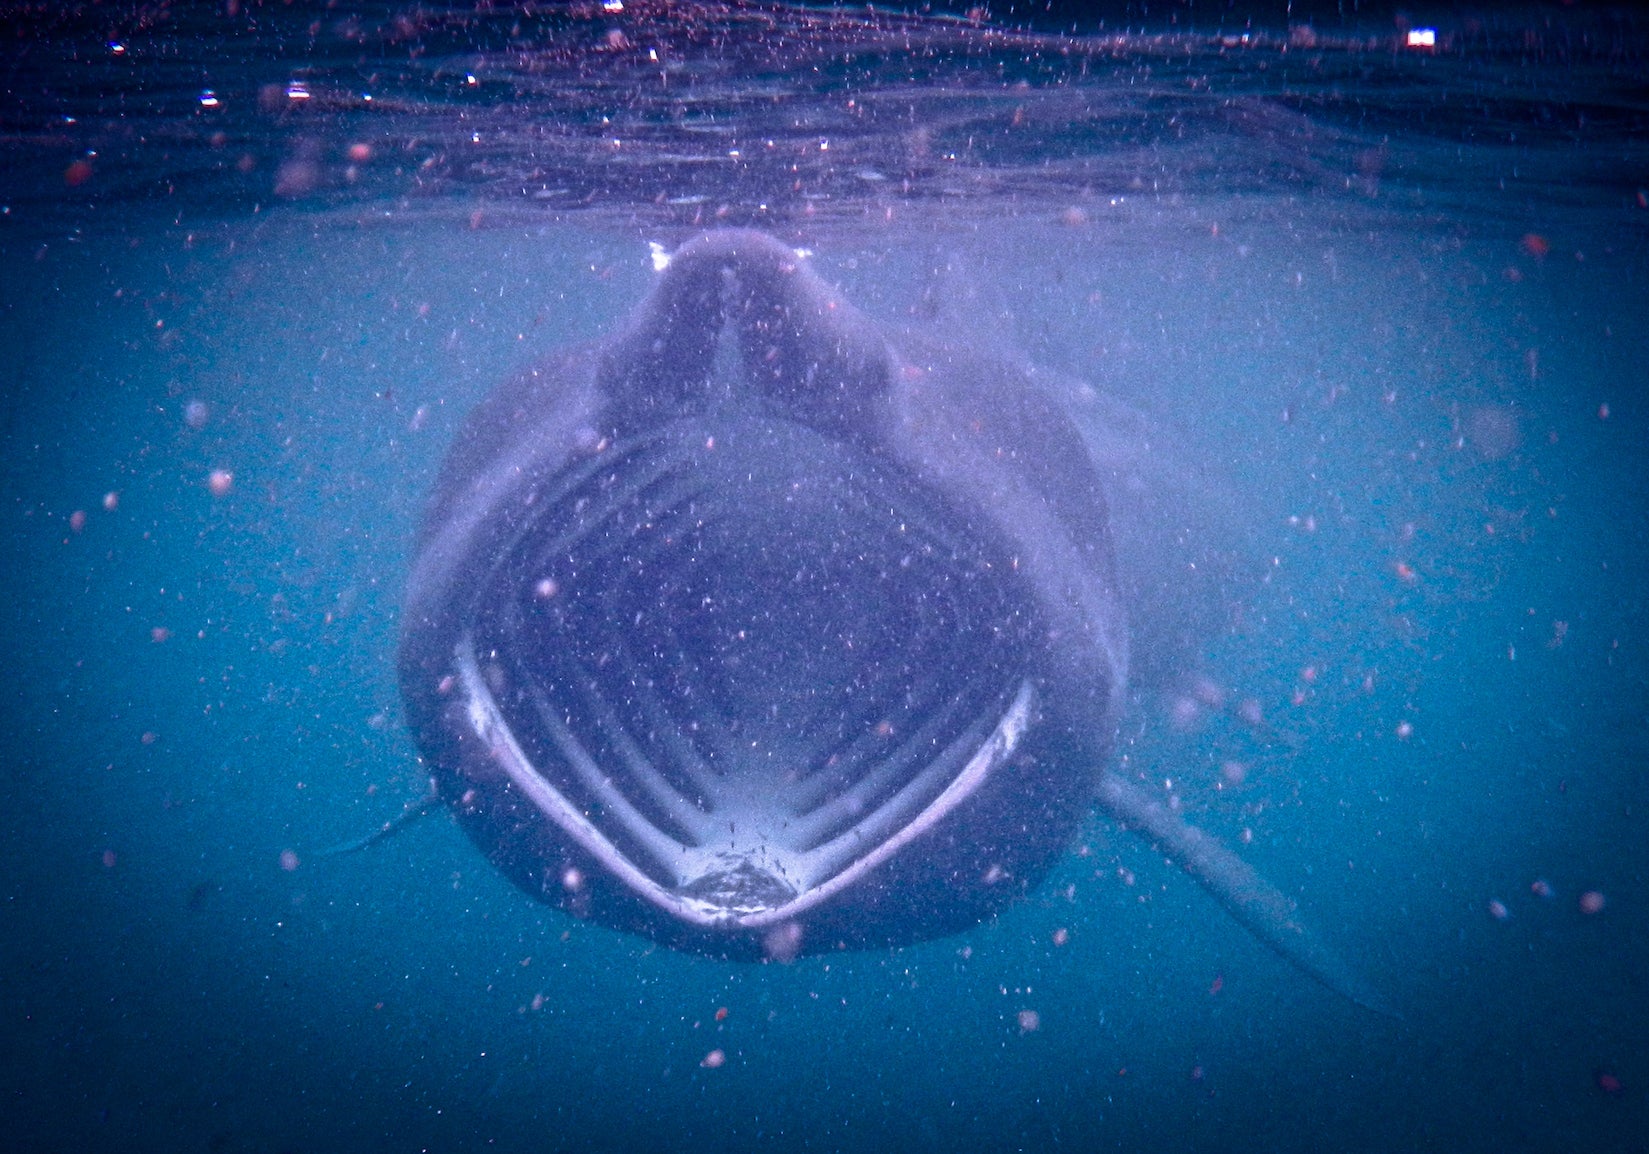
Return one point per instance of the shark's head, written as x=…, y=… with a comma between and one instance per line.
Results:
x=758, y=629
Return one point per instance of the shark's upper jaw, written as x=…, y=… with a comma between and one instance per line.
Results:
x=740, y=665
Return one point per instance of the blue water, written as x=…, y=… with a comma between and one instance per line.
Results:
x=1430, y=428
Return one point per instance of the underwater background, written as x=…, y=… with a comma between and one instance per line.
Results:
x=1391, y=297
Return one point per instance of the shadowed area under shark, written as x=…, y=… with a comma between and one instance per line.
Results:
x=763, y=628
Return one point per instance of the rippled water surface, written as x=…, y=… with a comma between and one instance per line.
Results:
x=1387, y=302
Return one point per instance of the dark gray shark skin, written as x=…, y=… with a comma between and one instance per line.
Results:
x=761, y=629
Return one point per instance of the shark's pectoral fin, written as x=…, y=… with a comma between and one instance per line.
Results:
x=1267, y=912
x=410, y=813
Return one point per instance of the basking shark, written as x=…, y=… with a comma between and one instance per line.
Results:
x=762, y=628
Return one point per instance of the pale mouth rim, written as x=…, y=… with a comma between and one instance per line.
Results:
x=786, y=886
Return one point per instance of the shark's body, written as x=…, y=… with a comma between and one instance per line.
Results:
x=762, y=628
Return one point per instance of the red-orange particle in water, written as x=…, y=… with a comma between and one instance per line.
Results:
x=721, y=1014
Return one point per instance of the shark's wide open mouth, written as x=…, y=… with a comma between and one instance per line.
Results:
x=741, y=664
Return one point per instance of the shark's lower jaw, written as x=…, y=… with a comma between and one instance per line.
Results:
x=736, y=668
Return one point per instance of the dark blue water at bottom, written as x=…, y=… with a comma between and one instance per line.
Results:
x=1431, y=440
